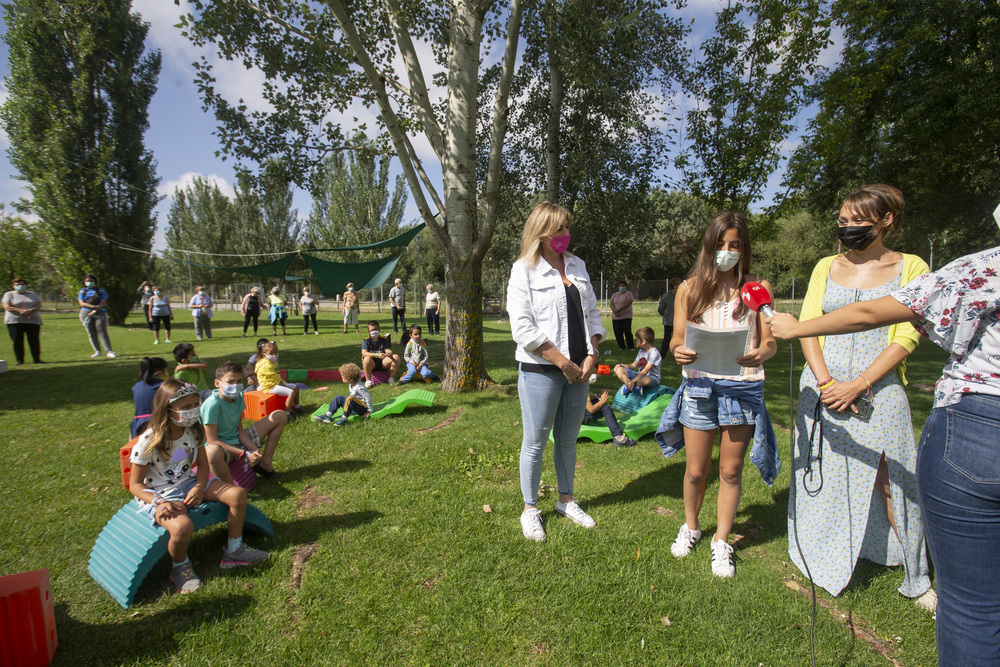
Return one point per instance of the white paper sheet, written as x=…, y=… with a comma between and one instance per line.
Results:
x=717, y=348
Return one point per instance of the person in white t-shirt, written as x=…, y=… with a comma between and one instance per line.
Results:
x=432, y=308
x=644, y=372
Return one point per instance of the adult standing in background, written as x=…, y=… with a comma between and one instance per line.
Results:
x=351, y=308
x=21, y=309
x=556, y=324
x=161, y=313
x=397, y=299
x=201, y=309
x=432, y=309
x=310, y=307
x=278, y=311
x=250, y=308
x=145, y=291
x=94, y=315
x=666, y=310
x=621, y=316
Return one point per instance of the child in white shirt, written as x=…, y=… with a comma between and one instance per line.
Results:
x=357, y=402
x=644, y=372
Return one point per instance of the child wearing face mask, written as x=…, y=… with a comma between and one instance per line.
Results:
x=190, y=368
x=377, y=354
x=164, y=482
x=152, y=372
x=705, y=403
x=269, y=380
x=201, y=309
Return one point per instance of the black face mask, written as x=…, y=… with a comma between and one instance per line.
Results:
x=857, y=238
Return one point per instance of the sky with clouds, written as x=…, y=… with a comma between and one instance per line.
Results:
x=181, y=133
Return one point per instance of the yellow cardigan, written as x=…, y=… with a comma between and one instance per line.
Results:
x=902, y=333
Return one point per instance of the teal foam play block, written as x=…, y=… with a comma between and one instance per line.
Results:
x=634, y=402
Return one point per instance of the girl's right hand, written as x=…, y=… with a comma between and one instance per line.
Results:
x=684, y=356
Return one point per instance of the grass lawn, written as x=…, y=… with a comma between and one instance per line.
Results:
x=384, y=553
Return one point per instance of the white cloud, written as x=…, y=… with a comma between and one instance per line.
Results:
x=168, y=188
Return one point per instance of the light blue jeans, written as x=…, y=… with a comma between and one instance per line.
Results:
x=549, y=403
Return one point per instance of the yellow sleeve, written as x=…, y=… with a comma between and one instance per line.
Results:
x=812, y=305
x=904, y=333
x=267, y=374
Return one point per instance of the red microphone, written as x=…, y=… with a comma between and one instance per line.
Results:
x=757, y=298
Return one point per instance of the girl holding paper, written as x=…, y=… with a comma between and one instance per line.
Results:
x=709, y=402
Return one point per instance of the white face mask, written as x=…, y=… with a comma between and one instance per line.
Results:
x=375, y=333
x=232, y=390
x=186, y=418
x=726, y=259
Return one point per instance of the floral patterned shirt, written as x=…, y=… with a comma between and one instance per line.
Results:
x=959, y=310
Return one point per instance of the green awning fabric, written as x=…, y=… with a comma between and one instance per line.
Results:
x=396, y=241
x=275, y=269
x=334, y=276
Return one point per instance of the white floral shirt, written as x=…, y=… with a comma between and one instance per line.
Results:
x=959, y=310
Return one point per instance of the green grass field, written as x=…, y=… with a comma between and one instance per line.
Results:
x=384, y=552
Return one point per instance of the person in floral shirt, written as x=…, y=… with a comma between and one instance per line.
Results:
x=958, y=466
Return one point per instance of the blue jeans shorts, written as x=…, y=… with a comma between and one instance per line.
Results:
x=631, y=374
x=709, y=413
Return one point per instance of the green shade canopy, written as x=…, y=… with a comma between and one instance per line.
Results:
x=334, y=276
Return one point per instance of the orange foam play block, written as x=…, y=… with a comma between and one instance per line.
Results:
x=260, y=404
x=27, y=620
x=124, y=454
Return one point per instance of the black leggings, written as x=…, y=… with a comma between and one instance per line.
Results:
x=18, y=332
x=157, y=320
x=246, y=321
x=305, y=322
x=623, y=333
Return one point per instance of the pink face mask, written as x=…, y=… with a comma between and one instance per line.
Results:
x=559, y=244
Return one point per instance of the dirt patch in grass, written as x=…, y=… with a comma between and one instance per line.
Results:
x=745, y=534
x=310, y=498
x=299, y=560
x=451, y=419
x=858, y=626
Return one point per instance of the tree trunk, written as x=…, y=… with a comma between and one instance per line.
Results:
x=464, y=367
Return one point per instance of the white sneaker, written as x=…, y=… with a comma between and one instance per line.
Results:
x=316, y=332
x=927, y=601
x=95, y=355
x=156, y=341
x=531, y=524
x=169, y=341
x=572, y=510
x=112, y=355
x=392, y=381
x=686, y=539
x=722, y=559
x=368, y=384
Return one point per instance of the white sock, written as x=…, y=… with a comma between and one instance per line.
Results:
x=183, y=562
x=234, y=543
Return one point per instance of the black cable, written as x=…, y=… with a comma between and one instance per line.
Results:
x=795, y=517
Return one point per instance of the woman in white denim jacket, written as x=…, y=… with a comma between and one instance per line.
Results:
x=556, y=324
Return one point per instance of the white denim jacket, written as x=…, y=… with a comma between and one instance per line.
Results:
x=536, y=302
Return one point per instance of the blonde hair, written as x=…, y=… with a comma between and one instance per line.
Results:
x=255, y=290
x=543, y=222
x=350, y=373
x=159, y=420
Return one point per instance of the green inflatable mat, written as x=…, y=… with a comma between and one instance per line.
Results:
x=635, y=426
x=391, y=407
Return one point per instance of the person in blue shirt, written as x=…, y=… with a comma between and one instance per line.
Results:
x=94, y=316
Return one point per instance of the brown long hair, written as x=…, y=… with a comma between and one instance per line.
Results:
x=704, y=277
x=873, y=202
x=159, y=422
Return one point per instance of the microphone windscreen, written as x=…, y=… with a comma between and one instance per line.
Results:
x=755, y=296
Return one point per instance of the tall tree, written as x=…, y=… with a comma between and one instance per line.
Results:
x=352, y=203
x=912, y=103
x=319, y=58
x=79, y=86
x=201, y=220
x=749, y=85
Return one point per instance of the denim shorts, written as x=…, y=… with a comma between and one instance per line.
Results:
x=705, y=414
x=631, y=374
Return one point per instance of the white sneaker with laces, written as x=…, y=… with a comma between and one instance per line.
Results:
x=686, y=539
x=368, y=384
x=95, y=355
x=112, y=355
x=531, y=524
x=722, y=559
x=573, y=511
x=392, y=381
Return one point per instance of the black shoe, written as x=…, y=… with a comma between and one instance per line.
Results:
x=269, y=474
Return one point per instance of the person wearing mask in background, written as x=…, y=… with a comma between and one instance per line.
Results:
x=21, y=315
x=351, y=308
x=201, y=310
x=432, y=309
x=160, y=312
x=666, y=310
x=278, y=311
x=145, y=291
x=94, y=315
x=397, y=299
x=310, y=307
x=250, y=308
x=621, y=316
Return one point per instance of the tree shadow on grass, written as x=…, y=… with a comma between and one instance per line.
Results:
x=761, y=523
x=309, y=529
x=317, y=469
x=668, y=481
x=121, y=641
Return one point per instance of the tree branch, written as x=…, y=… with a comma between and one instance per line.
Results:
x=420, y=97
x=499, y=129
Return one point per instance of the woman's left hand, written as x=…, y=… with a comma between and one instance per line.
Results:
x=842, y=395
x=752, y=358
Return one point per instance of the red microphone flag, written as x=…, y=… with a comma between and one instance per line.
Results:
x=757, y=298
